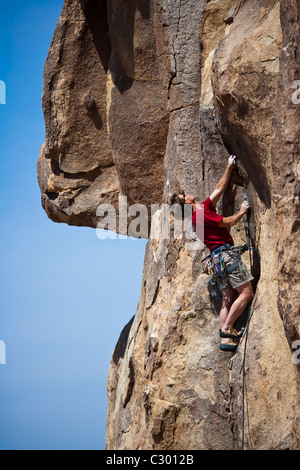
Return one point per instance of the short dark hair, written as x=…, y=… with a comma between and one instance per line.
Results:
x=175, y=199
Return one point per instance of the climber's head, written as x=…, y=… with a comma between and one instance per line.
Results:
x=182, y=198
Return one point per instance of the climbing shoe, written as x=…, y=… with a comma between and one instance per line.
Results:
x=228, y=347
x=233, y=334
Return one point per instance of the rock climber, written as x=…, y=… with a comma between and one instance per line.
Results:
x=218, y=239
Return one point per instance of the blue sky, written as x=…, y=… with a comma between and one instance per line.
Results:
x=65, y=295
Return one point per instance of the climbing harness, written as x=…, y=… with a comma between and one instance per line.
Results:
x=216, y=268
x=214, y=265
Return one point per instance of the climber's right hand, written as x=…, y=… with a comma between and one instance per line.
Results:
x=245, y=206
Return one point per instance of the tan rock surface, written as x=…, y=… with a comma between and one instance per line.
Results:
x=179, y=85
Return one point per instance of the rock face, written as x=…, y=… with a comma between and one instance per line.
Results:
x=141, y=99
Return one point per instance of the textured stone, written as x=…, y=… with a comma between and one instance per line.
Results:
x=285, y=166
x=179, y=85
x=138, y=118
x=244, y=79
x=105, y=111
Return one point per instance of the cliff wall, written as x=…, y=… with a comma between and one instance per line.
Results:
x=144, y=98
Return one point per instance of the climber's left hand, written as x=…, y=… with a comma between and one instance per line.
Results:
x=232, y=161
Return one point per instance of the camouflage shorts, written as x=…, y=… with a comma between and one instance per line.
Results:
x=240, y=275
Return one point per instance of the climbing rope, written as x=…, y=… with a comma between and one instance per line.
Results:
x=244, y=373
x=208, y=269
x=247, y=232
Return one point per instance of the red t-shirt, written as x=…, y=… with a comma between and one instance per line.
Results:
x=214, y=236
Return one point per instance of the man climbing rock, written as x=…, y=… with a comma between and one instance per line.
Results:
x=219, y=241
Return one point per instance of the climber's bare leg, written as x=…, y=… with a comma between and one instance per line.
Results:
x=228, y=297
x=246, y=294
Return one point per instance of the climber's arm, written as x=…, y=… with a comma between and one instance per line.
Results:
x=235, y=218
x=223, y=183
